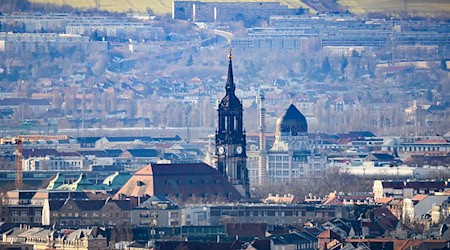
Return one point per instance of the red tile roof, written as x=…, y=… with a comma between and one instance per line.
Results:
x=180, y=180
x=328, y=234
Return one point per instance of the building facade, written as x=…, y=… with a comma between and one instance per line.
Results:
x=292, y=155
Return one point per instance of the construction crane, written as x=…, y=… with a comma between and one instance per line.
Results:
x=18, y=141
x=18, y=163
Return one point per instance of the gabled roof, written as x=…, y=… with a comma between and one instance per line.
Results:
x=328, y=234
x=385, y=219
x=90, y=205
x=382, y=156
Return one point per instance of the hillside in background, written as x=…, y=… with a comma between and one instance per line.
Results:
x=424, y=7
x=159, y=7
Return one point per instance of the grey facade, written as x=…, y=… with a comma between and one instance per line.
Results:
x=230, y=11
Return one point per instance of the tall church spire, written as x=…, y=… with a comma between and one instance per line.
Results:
x=231, y=156
x=230, y=81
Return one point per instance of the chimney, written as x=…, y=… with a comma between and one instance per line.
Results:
x=262, y=163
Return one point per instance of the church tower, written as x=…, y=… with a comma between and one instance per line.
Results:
x=230, y=138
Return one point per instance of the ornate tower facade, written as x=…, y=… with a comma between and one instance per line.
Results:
x=231, y=156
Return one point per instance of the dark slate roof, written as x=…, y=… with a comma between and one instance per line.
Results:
x=288, y=239
x=27, y=153
x=122, y=204
x=20, y=101
x=439, y=107
x=144, y=152
x=85, y=140
x=69, y=154
x=170, y=245
x=26, y=195
x=62, y=194
x=393, y=184
x=114, y=152
x=246, y=229
x=362, y=134
x=383, y=156
x=56, y=204
x=96, y=153
x=385, y=218
x=90, y=205
x=426, y=184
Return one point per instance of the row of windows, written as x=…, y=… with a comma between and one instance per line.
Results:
x=191, y=182
x=417, y=148
x=203, y=195
x=275, y=213
x=25, y=213
x=87, y=215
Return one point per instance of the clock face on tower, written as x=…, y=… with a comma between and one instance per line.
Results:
x=239, y=150
x=221, y=150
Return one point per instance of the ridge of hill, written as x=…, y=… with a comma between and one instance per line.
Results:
x=159, y=7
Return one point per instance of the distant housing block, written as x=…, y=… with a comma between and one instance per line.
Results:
x=230, y=11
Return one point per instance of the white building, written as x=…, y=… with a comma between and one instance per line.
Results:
x=292, y=155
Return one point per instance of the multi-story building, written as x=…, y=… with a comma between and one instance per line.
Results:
x=345, y=34
x=51, y=159
x=292, y=156
x=76, y=213
x=199, y=11
x=23, y=214
x=140, y=31
x=407, y=189
x=37, y=106
x=272, y=214
x=156, y=212
x=27, y=43
x=417, y=145
x=41, y=238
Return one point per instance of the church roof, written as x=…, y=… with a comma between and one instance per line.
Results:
x=292, y=121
